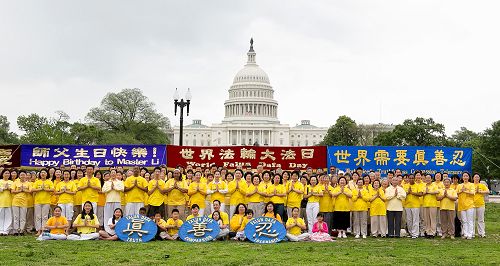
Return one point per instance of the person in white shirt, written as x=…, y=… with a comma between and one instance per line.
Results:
x=394, y=201
x=109, y=228
x=113, y=188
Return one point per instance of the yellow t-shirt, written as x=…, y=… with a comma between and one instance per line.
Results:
x=236, y=222
x=175, y=196
x=296, y=230
x=78, y=196
x=359, y=200
x=86, y=229
x=280, y=189
x=29, y=196
x=465, y=201
x=412, y=201
x=175, y=230
x=256, y=197
x=61, y=220
x=89, y=194
x=156, y=199
x=478, y=197
x=223, y=216
x=54, y=198
x=294, y=198
x=342, y=201
x=217, y=195
x=271, y=215
x=66, y=198
x=135, y=195
x=21, y=199
x=446, y=203
x=377, y=207
x=263, y=187
x=430, y=200
x=5, y=195
x=316, y=189
x=237, y=195
x=197, y=197
x=326, y=201
x=192, y=216
x=43, y=197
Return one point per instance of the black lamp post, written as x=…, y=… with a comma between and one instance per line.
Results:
x=181, y=105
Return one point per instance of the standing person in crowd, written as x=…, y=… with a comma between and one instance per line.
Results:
x=438, y=182
x=42, y=188
x=86, y=224
x=341, y=214
x=66, y=190
x=57, y=224
x=466, y=192
x=326, y=201
x=109, y=227
x=30, y=216
x=320, y=230
x=113, y=189
x=429, y=205
x=277, y=193
x=5, y=202
x=378, y=210
x=295, y=225
x=359, y=211
x=176, y=190
x=264, y=185
x=90, y=187
x=295, y=191
x=412, y=205
x=237, y=191
x=197, y=191
x=156, y=188
x=447, y=198
x=77, y=200
x=21, y=188
x=312, y=207
x=479, y=206
x=255, y=195
x=135, y=187
x=217, y=190
x=395, y=195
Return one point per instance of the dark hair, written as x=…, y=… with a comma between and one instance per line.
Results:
x=237, y=207
x=142, y=209
x=89, y=165
x=274, y=209
x=254, y=176
x=175, y=210
x=157, y=168
x=390, y=172
x=317, y=180
x=249, y=211
x=296, y=208
x=6, y=170
x=295, y=172
x=376, y=180
x=91, y=212
x=239, y=170
x=114, y=219
x=195, y=206
x=57, y=207
x=281, y=178
x=320, y=215
x=216, y=201
x=218, y=212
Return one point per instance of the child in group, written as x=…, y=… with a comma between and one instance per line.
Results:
x=174, y=223
x=162, y=226
x=57, y=225
x=195, y=212
x=86, y=224
x=240, y=235
x=109, y=228
x=320, y=230
x=143, y=211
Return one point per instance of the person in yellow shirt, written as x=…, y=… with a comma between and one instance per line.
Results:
x=135, y=186
x=326, y=201
x=237, y=220
x=77, y=200
x=56, y=178
x=342, y=208
x=295, y=191
x=224, y=217
x=295, y=225
x=86, y=224
x=412, y=205
x=197, y=192
x=438, y=181
x=359, y=209
x=57, y=224
x=101, y=200
x=5, y=202
x=430, y=205
x=195, y=212
x=90, y=187
x=65, y=191
x=312, y=206
x=30, y=216
x=240, y=234
x=277, y=194
x=466, y=192
x=21, y=189
x=264, y=184
x=479, y=206
x=217, y=190
x=271, y=212
x=378, y=211
x=255, y=195
x=42, y=189
x=176, y=190
x=237, y=191
x=156, y=191
x=447, y=197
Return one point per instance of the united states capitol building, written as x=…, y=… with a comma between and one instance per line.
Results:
x=251, y=116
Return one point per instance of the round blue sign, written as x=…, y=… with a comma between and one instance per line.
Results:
x=265, y=230
x=199, y=229
x=136, y=228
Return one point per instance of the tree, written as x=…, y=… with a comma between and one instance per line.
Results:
x=418, y=132
x=489, y=151
x=43, y=130
x=345, y=132
x=7, y=137
x=130, y=115
x=464, y=138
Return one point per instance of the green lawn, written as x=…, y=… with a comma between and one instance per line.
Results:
x=26, y=251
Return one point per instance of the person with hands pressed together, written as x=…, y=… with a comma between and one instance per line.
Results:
x=255, y=196
x=86, y=224
x=66, y=190
x=237, y=191
x=378, y=210
x=90, y=186
x=113, y=188
x=135, y=188
x=176, y=190
x=412, y=205
x=57, y=225
x=295, y=190
x=217, y=190
x=466, y=192
x=342, y=208
x=198, y=191
x=294, y=226
x=21, y=191
x=395, y=195
x=447, y=198
x=42, y=189
x=430, y=205
x=156, y=191
x=479, y=206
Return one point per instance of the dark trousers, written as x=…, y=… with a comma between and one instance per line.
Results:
x=328, y=218
x=280, y=209
x=394, y=223
x=153, y=209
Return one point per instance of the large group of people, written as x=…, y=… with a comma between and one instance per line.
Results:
x=84, y=202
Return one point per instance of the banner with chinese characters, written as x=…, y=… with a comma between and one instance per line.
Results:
x=407, y=158
x=101, y=156
x=199, y=229
x=287, y=158
x=265, y=230
x=10, y=156
x=136, y=228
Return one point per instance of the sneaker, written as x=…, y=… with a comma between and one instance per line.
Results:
x=348, y=230
x=345, y=236
x=414, y=237
x=357, y=236
x=469, y=238
x=452, y=237
x=364, y=236
x=443, y=237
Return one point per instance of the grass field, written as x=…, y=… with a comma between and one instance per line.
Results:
x=485, y=251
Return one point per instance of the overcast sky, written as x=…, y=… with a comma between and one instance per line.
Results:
x=375, y=61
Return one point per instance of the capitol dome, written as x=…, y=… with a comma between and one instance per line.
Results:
x=251, y=73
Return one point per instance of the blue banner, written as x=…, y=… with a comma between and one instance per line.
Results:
x=199, y=229
x=101, y=156
x=136, y=228
x=407, y=158
x=265, y=230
